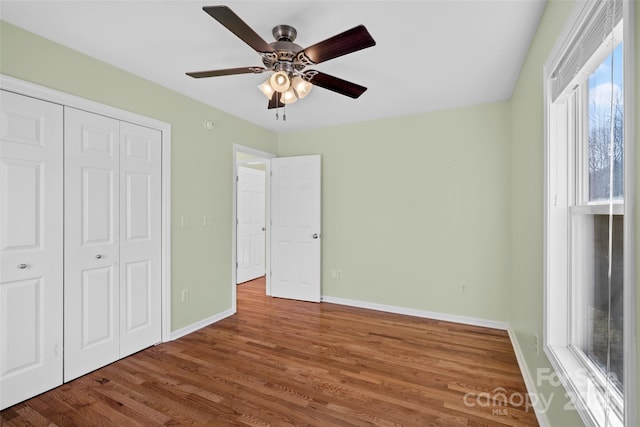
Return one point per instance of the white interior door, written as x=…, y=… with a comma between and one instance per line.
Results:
x=31, y=305
x=295, y=227
x=140, y=238
x=92, y=224
x=251, y=224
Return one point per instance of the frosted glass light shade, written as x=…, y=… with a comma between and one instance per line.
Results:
x=266, y=89
x=288, y=97
x=280, y=81
x=301, y=86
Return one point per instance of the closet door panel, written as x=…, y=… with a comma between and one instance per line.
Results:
x=92, y=223
x=140, y=238
x=31, y=288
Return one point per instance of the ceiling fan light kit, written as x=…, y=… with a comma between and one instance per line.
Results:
x=301, y=86
x=288, y=97
x=266, y=89
x=280, y=81
x=287, y=60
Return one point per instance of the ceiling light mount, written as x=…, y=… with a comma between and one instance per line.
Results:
x=284, y=33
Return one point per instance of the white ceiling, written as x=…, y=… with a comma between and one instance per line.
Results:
x=430, y=55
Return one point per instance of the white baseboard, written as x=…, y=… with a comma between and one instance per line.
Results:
x=201, y=324
x=529, y=382
x=419, y=313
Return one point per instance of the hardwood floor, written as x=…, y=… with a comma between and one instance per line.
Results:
x=282, y=362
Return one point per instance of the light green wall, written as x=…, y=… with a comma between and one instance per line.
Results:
x=201, y=161
x=412, y=207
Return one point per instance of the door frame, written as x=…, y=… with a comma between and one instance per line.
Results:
x=265, y=157
x=33, y=90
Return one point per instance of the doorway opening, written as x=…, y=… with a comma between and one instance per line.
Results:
x=251, y=218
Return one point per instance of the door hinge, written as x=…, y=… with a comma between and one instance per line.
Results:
x=236, y=265
x=270, y=273
x=237, y=178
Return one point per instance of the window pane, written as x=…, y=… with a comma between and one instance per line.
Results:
x=601, y=94
x=593, y=263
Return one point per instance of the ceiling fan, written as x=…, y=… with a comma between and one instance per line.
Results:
x=290, y=81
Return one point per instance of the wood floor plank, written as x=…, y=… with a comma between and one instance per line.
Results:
x=279, y=362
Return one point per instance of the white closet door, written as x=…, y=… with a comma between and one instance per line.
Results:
x=91, y=305
x=140, y=238
x=30, y=247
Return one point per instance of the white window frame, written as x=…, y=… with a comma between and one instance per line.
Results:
x=587, y=392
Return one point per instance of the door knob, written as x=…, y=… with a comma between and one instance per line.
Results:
x=315, y=235
x=263, y=228
x=98, y=256
x=22, y=266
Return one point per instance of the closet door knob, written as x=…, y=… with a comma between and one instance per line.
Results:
x=98, y=256
x=22, y=266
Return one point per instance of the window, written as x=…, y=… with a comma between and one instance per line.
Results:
x=596, y=219
x=585, y=228
x=598, y=313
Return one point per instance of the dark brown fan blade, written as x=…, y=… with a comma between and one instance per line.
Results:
x=350, y=41
x=274, y=102
x=226, y=72
x=335, y=84
x=237, y=26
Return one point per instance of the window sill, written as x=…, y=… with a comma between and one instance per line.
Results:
x=583, y=388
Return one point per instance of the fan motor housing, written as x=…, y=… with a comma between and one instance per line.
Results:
x=286, y=50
